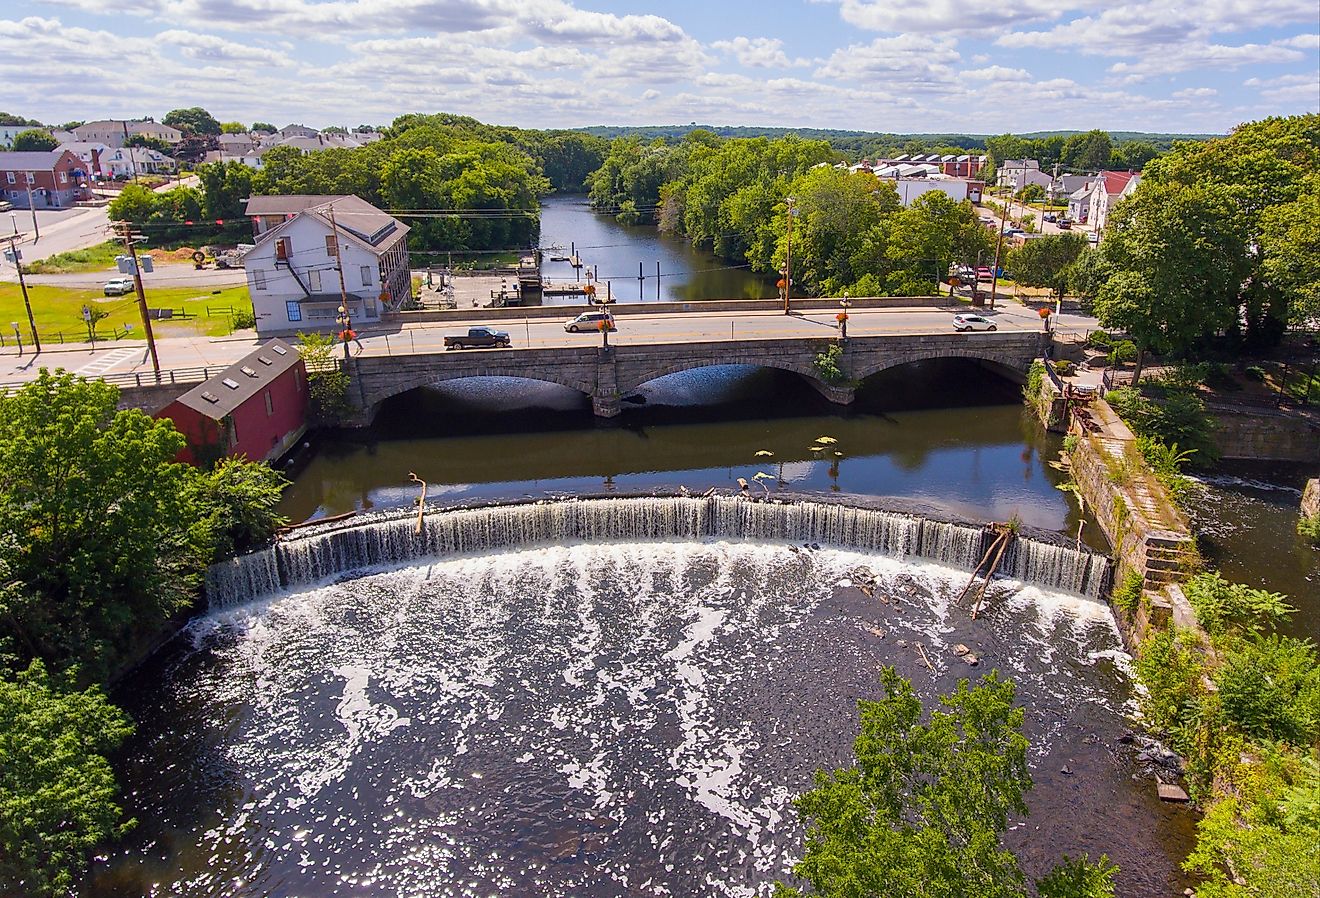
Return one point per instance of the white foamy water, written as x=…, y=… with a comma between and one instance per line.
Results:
x=570, y=721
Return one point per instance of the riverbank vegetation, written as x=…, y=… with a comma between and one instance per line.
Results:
x=923, y=806
x=1241, y=703
x=850, y=232
x=104, y=539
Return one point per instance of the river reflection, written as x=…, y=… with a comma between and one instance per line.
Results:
x=619, y=253
x=945, y=435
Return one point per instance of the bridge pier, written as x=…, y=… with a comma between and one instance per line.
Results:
x=843, y=394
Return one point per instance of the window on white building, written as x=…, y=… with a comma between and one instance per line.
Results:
x=330, y=248
x=258, y=279
x=314, y=278
x=294, y=310
x=366, y=275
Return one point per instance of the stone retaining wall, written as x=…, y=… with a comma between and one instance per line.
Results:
x=1311, y=499
x=1265, y=434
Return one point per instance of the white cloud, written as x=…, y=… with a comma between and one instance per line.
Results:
x=996, y=73
x=1194, y=93
x=758, y=52
x=951, y=16
x=208, y=47
x=894, y=63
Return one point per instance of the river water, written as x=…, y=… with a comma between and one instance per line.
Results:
x=615, y=251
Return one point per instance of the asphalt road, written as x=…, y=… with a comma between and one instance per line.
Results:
x=191, y=352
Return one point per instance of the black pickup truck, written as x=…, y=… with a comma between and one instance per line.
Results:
x=479, y=338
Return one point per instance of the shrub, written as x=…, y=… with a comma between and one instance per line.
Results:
x=1070, y=443
x=1167, y=462
x=1310, y=529
x=1063, y=367
x=1178, y=419
x=1270, y=688
x=1122, y=352
x=1035, y=378
x=1222, y=606
x=1099, y=340
x=244, y=320
x=827, y=364
x=1170, y=668
x=1256, y=372
x=1127, y=595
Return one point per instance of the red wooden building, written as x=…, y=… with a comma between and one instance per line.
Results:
x=256, y=408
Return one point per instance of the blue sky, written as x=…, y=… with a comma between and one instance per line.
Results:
x=977, y=66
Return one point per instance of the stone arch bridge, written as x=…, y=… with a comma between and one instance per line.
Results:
x=607, y=374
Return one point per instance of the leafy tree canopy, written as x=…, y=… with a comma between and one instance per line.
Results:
x=34, y=140
x=193, y=120
x=233, y=128
x=149, y=142
x=8, y=118
x=921, y=810
x=1046, y=261
x=57, y=790
x=264, y=126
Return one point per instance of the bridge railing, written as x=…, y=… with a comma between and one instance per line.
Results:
x=168, y=377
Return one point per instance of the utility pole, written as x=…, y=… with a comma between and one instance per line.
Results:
x=788, y=257
x=36, y=231
x=131, y=245
x=22, y=285
x=994, y=270
x=343, y=291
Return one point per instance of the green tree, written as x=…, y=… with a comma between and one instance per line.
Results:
x=1087, y=152
x=1178, y=261
x=34, y=140
x=225, y=186
x=1290, y=244
x=1133, y=155
x=921, y=810
x=193, y=120
x=57, y=790
x=94, y=506
x=1046, y=261
x=8, y=118
x=146, y=141
x=264, y=126
x=233, y=128
x=927, y=237
x=236, y=506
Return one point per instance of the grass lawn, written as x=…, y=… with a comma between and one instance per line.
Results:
x=94, y=258
x=58, y=311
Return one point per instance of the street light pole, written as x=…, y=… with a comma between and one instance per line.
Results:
x=36, y=231
x=344, y=319
x=131, y=245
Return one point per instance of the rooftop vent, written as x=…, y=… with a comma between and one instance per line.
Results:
x=248, y=371
x=232, y=384
x=280, y=349
x=209, y=396
x=264, y=360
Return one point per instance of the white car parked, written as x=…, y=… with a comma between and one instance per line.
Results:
x=119, y=286
x=973, y=323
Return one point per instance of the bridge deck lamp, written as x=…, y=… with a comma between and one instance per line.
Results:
x=345, y=323
x=787, y=281
x=842, y=317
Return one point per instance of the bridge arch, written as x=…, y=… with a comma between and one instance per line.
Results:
x=1007, y=365
x=637, y=380
x=396, y=387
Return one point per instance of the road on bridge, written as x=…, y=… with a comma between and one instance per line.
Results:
x=126, y=357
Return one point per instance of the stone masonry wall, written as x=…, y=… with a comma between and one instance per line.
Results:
x=1265, y=434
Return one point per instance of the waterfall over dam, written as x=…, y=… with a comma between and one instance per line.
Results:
x=317, y=553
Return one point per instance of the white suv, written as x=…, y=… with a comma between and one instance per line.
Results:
x=589, y=321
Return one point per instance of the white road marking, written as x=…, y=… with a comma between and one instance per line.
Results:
x=112, y=359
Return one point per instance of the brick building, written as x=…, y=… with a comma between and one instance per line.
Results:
x=55, y=179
